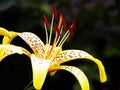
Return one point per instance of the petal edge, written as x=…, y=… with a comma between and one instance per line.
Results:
x=6, y=50
x=34, y=42
x=80, y=76
x=69, y=55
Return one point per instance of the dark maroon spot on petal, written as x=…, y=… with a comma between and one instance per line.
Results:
x=70, y=56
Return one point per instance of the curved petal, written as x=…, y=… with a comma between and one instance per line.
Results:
x=7, y=40
x=68, y=55
x=4, y=32
x=81, y=77
x=6, y=50
x=40, y=69
x=103, y=77
x=34, y=42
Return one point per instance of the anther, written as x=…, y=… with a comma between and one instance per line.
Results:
x=64, y=24
x=73, y=24
x=57, y=29
x=46, y=21
x=72, y=27
x=54, y=12
x=71, y=31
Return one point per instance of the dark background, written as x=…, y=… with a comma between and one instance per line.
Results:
x=97, y=32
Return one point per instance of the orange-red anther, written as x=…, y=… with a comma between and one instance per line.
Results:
x=57, y=29
x=72, y=27
x=64, y=24
x=46, y=21
x=71, y=31
x=54, y=12
x=73, y=24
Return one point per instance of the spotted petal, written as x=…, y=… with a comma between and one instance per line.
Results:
x=6, y=50
x=34, y=42
x=81, y=77
x=40, y=69
x=55, y=51
x=4, y=32
x=7, y=40
x=68, y=55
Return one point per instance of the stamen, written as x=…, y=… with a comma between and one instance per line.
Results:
x=73, y=24
x=64, y=38
x=72, y=27
x=57, y=29
x=59, y=35
x=46, y=21
x=51, y=29
x=46, y=27
x=46, y=35
x=71, y=31
x=60, y=20
x=54, y=12
x=56, y=36
x=64, y=24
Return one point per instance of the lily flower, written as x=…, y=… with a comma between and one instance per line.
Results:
x=48, y=57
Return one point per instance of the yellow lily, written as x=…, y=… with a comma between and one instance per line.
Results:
x=48, y=58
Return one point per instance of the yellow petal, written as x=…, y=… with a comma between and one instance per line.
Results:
x=4, y=32
x=40, y=68
x=68, y=55
x=101, y=68
x=34, y=42
x=7, y=40
x=81, y=77
x=6, y=50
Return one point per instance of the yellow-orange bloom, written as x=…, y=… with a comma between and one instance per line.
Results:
x=49, y=57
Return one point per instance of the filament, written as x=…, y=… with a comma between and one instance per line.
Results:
x=51, y=29
x=64, y=38
x=59, y=35
x=46, y=34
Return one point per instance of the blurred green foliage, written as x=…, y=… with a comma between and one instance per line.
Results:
x=97, y=32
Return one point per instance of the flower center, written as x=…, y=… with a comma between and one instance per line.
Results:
x=58, y=40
